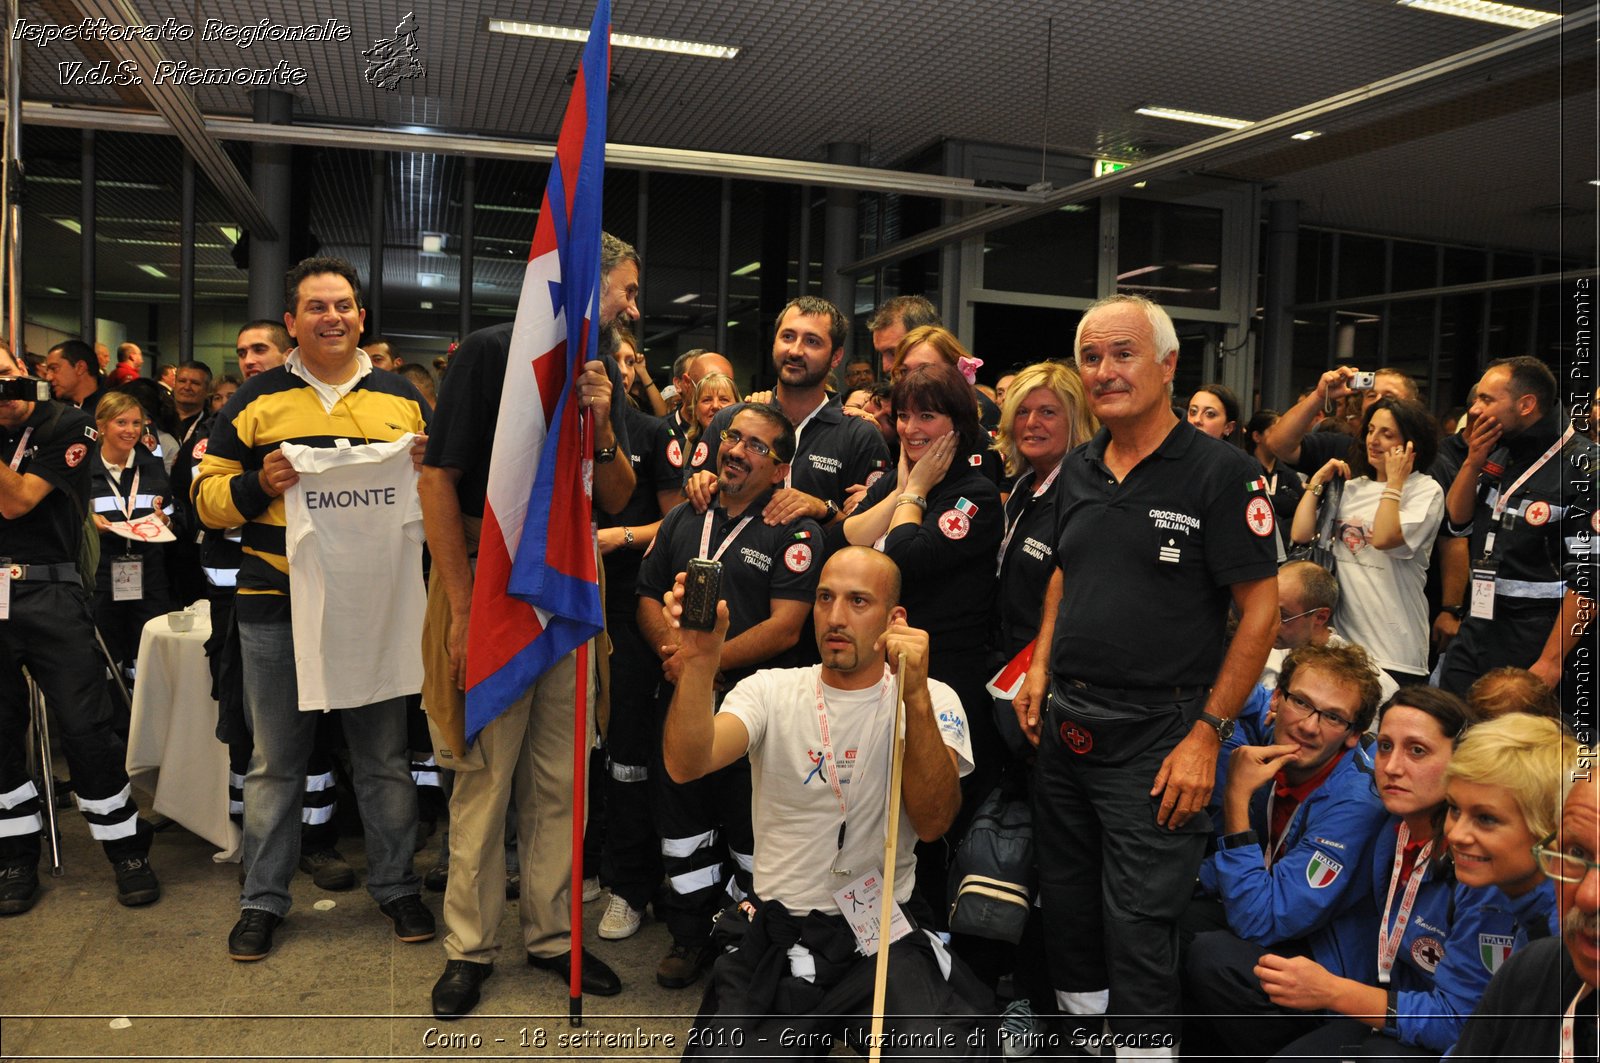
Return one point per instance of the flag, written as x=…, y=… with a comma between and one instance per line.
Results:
x=536, y=594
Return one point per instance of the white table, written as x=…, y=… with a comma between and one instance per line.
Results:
x=173, y=752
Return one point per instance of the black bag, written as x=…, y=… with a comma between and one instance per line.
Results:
x=993, y=876
x=1320, y=549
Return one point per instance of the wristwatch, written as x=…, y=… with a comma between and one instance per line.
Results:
x=1224, y=728
x=605, y=455
x=627, y=536
x=832, y=507
x=1238, y=841
x=1457, y=611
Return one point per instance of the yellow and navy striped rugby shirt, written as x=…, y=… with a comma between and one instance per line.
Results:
x=280, y=407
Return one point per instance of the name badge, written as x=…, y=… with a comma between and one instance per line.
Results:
x=861, y=904
x=1483, y=593
x=127, y=579
x=5, y=592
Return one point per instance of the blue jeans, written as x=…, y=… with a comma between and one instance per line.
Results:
x=283, y=735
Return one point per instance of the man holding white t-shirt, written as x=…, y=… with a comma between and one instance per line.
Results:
x=326, y=393
x=819, y=742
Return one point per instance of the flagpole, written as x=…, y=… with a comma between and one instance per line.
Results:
x=891, y=848
x=580, y=764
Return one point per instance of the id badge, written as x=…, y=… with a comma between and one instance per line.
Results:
x=1483, y=593
x=5, y=592
x=127, y=579
x=861, y=904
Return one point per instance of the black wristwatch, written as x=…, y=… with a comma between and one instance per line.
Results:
x=832, y=507
x=1224, y=728
x=1238, y=841
x=605, y=455
x=1457, y=611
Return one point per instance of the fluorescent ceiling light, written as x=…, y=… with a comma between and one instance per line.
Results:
x=232, y=232
x=745, y=271
x=1309, y=134
x=56, y=291
x=425, y=305
x=1522, y=18
x=1595, y=182
x=70, y=223
x=432, y=244
x=733, y=324
x=618, y=40
x=431, y=280
x=502, y=208
x=152, y=271
x=139, y=186
x=1137, y=272
x=689, y=298
x=1192, y=116
x=1074, y=208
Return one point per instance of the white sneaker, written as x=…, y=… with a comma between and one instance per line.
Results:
x=620, y=921
x=591, y=890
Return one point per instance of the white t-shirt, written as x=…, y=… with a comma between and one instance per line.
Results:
x=795, y=812
x=356, y=598
x=1382, y=605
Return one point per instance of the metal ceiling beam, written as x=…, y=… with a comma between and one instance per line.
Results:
x=626, y=156
x=182, y=117
x=1470, y=288
x=1474, y=61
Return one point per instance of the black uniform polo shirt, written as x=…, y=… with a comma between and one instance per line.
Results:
x=653, y=471
x=461, y=431
x=1147, y=563
x=60, y=454
x=763, y=563
x=1029, y=562
x=947, y=561
x=678, y=428
x=836, y=452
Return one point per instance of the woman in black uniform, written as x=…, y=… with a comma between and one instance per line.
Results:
x=940, y=520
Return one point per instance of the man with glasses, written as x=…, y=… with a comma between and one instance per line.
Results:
x=1307, y=597
x=1299, y=820
x=769, y=577
x=1541, y=1003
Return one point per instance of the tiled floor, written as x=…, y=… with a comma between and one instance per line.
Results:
x=81, y=977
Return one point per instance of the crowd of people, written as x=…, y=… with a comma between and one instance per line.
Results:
x=1299, y=704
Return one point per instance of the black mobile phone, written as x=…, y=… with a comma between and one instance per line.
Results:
x=702, y=582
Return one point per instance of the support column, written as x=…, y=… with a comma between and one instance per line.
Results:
x=13, y=184
x=86, y=237
x=469, y=207
x=641, y=239
x=839, y=223
x=185, y=264
x=1277, y=339
x=377, y=228
x=270, y=179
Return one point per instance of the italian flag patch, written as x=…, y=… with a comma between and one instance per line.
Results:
x=1322, y=870
x=966, y=507
x=1258, y=484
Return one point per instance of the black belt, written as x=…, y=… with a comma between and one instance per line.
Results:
x=1141, y=695
x=66, y=572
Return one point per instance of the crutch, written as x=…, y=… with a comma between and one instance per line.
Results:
x=116, y=672
x=891, y=848
x=41, y=767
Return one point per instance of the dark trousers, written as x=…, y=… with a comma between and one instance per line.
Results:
x=706, y=836
x=50, y=633
x=630, y=853
x=1230, y=1015
x=1347, y=1039
x=1113, y=882
x=1515, y=637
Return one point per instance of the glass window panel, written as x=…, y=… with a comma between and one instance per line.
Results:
x=1360, y=265
x=1460, y=333
x=1508, y=265
x=1511, y=316
x=1314, y=266
x=1007, y=337
x=1170, y=252
x=1413, y=266
x=1411, y=336
x=1462, y=266
x=1057, y=254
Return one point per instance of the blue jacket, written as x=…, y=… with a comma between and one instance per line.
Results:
x=1323, y=869
x=1457, y=938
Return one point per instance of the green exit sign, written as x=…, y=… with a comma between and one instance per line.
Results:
x=1102, y=167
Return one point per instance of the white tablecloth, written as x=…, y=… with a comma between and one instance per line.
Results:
x=173, y=751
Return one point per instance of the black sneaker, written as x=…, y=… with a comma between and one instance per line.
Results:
x=136, y=882
x=411, y=918
x=328, y=869
x=251, y=937
x=19, y=888
x=438, y=876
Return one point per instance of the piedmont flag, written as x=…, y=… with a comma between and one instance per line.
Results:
x=536, y=594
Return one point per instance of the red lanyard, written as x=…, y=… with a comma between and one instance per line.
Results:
x=705, y=535
x=22, y=449
x=1389, y=941
x=1567, y=1023
x=830, y=764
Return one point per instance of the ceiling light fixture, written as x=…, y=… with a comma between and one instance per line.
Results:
x=1522, y=18
x=1309, y=134
x=152, y=271
x=432, y=244
x=70, y=223
x=700, y=49
x=1195, y=117
x=691, y=297
x=745, y=271
x=137, y=186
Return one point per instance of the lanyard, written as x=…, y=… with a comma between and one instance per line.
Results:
x=1276, y=849
x=705, y=535
x=1011, y=525
x=801, y=427
x=1505, y=496
x=22, y=449
x=127, y=507
x=1389, y=941
x=1567, y=1023
x=830, y=763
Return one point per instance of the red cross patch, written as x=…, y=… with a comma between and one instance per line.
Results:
x=1258, y=515
x=675, y=453
x=1537, y=514
x=954, y=524
x=1076, y=737
x=200, y=449
x=75, y=454
x=1428, y=953
x=700, y=452
x=797, y=558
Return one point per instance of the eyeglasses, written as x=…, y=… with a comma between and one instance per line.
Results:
x=1330, y=720
x=1563, y=867
x=733, y=437
x=1286, y=619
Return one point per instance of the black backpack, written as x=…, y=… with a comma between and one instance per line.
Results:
x=993, y=876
